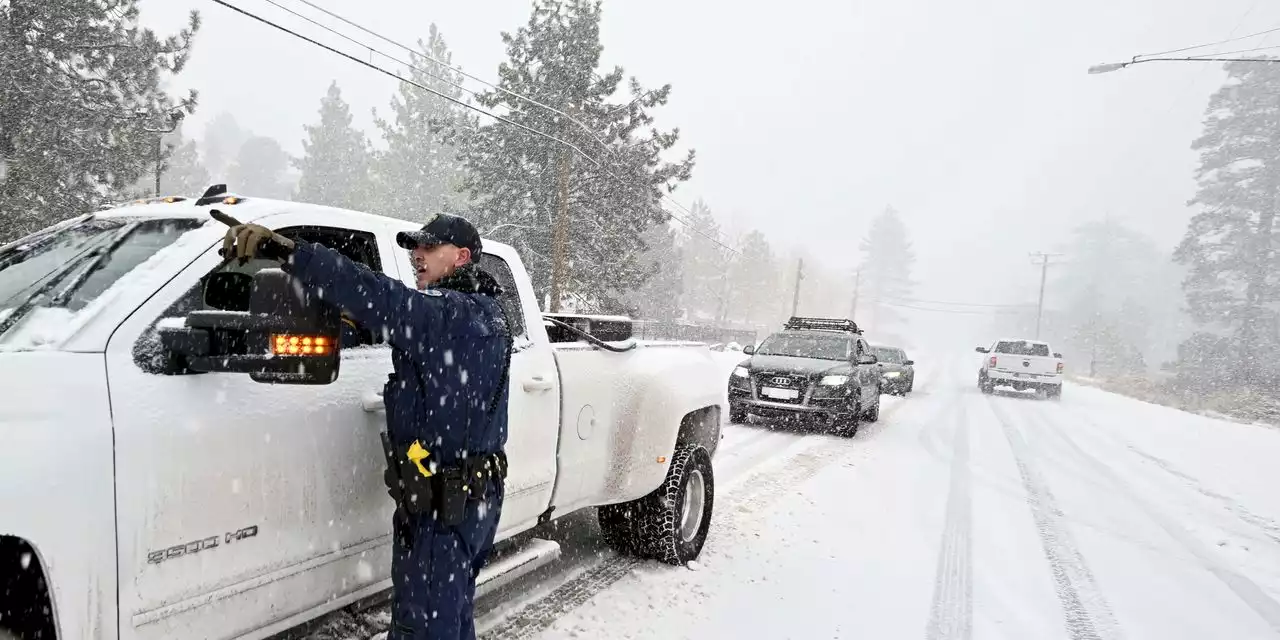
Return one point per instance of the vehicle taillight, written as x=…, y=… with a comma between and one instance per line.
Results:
x=991, y=362
x=291, y=345
x=1059, y=367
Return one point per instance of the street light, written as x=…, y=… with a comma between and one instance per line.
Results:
x=1116, y=66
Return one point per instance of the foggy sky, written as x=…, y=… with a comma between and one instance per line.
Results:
x=976, y=120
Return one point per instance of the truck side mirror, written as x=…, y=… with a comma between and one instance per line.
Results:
x=748, y=349
x=1057, y=355
x=982, y=350
x=287, y=335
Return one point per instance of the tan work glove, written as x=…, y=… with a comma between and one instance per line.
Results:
x=246, y=242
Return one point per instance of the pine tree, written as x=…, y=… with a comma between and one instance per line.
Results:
x=259, y=170
x=754, y=294
x=886, y=269
x=705, y=265
x=184, y=174
x=335, y=162
x=578, y=222
x=661, y=296
x=420, y=171
x=81, y=105
x=223, y=137
x=1233, y=286
x=1115, y=298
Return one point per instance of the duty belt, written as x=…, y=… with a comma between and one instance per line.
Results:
x=418, y=489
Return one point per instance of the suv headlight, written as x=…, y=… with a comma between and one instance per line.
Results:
x=833, y=381
x=893, y=374
x=741, y=372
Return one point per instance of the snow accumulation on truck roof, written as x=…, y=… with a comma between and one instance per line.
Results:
x=249, y=209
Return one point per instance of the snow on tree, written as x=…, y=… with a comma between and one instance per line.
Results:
x=1115, y=300
x=754, y=297
x=660, y=297
x=223, y=137
x=885, y=270
x=335, y=161
x=260, y=170
x=181, y=171
x=420, y=171
x=81, y=105
x=706, y=265
x=1233, y=286
x=579, y=225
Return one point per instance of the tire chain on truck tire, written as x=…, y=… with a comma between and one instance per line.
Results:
x=649, y=527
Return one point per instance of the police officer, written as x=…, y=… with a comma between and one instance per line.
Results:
x=446, y=406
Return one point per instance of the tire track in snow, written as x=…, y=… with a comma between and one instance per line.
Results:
x=1246, y=589
x=762, y=486
x=1269, y=527
x=951, y=616
x=1087, y=614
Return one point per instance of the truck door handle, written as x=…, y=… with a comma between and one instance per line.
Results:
x=538, y=383
x=372, y=402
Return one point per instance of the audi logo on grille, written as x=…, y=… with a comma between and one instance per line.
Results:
x=781, y=380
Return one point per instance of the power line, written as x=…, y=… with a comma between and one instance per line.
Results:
x=964, y=312
x=954, y=304
x=398, y=77
x=1207, y=56
x=460, y=71
x=1211, y=44
x=471, y=107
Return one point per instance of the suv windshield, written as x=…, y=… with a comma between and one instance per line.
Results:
x=803, y=345
x=888, y=355
x=1019, y=348
x=69, y=267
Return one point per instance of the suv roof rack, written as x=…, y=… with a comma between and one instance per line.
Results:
x=823, y=324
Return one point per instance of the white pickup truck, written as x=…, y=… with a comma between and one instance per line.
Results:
x=1021, y=364
x=147, y=494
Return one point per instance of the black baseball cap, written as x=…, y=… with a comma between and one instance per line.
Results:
x=443, y=228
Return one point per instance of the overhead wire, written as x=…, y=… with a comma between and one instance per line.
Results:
x=1210, y=56
x=466, y=105
x=1211, y=44
x=414, y=52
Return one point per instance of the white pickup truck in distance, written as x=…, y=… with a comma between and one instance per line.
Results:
x=1021, y=364
x=163, y=476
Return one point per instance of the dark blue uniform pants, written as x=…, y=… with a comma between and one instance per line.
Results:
x=434, y=579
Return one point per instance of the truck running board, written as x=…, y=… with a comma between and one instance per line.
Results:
x=512, y=566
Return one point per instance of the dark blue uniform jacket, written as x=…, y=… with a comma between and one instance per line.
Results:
x=449, y=349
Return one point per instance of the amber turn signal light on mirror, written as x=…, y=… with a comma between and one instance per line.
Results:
x=283, y=344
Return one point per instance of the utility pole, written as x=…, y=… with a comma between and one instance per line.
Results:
x=1043, y=258
x=857, y=284
x=175, y=118
x=795, y=298
x=560, y=235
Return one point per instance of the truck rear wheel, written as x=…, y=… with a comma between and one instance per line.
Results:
x=670, y=524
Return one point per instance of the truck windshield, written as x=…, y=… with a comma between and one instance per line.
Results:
x=70, y=267
x=1019, y=348
x=807, y=346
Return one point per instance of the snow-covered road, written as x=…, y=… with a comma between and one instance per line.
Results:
x=958, y=515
